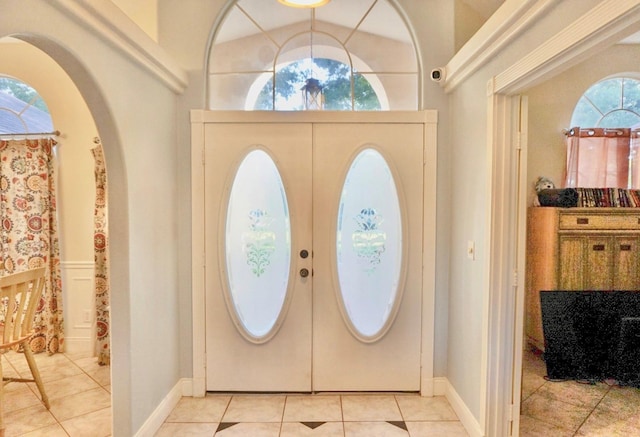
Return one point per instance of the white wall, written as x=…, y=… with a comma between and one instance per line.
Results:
x=551, y=106
x=135, y=116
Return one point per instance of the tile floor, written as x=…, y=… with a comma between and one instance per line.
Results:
x=78, y=391
x=570, y=408
x=79, y=395
x=326, y=415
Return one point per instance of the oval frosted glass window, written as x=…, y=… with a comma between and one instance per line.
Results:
x=369, y=245
x=258, y=245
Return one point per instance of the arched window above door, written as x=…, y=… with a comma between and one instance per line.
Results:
x=345, y=55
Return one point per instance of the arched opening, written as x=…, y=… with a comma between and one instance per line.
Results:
x=50, y=53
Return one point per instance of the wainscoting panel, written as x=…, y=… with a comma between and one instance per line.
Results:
x=79, y=306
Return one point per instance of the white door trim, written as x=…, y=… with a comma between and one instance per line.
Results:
x=198, y=120
x=606, y=23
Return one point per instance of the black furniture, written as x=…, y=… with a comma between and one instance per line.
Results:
x=592, y=335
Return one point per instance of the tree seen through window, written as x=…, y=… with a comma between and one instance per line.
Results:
x=335, y=79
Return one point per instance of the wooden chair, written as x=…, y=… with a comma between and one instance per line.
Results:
x=20, y=294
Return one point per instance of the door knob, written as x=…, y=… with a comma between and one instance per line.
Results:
x=304, y=253
x=304, y=273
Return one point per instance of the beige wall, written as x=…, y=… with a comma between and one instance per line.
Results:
x=551, y=105
x=143, y=12
x=467, y=22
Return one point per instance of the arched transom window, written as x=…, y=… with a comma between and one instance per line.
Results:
x=345, y=55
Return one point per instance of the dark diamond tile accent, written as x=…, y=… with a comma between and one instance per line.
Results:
x=399, y=424
x=312, y=425
x=225, y=425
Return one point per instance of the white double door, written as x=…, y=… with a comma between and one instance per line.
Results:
x=313, y=252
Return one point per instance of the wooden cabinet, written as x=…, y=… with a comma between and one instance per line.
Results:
x=579, y=249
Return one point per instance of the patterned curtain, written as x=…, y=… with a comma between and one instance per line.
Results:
x=101, y=257
x=29, y=236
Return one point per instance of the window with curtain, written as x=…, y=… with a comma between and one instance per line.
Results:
x=29, y=235
x=602, y=150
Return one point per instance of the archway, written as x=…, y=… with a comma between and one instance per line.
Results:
x=105, y=123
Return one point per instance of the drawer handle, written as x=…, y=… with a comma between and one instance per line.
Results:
x=598, y=247
x=625, y=247
x=582, y=221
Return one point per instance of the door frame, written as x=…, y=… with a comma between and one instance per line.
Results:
x=429, y=120
x=503, y=312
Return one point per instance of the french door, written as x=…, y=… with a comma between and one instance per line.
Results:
x=313, y=241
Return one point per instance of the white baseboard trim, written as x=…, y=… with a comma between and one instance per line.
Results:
x=440, y=385
x=157, y=418
x=187, y=387
x=77, y=345
x=467, y=419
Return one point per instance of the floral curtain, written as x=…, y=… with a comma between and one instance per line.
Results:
x=29, y=237
x=597, y=158
x=101, y=257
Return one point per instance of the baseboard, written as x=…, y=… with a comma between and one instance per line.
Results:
x=440, y=385
x=467, y=419
x=158, y=417
x=78, y=345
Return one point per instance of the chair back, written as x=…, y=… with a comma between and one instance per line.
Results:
x=20, y=295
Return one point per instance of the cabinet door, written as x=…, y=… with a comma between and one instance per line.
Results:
x=571, y=264
x=626, y=252
x=599, y=268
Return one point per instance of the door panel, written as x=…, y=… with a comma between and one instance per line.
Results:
x=341, y=360
x=314, y=337
x=274, y=354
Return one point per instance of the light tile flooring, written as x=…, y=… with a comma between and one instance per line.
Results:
x=79, y=396
x=78, y=391
x=326, y=415
x=570, y=408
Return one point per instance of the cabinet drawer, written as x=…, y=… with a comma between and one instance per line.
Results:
x=599, y=221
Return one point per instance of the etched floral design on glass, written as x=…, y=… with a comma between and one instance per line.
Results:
x=369, y=245
x=369, y=239
x=257, y=246
x=259, y=241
